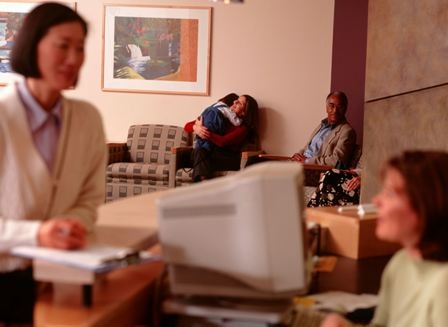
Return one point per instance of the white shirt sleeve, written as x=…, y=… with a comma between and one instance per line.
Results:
x=17, y=232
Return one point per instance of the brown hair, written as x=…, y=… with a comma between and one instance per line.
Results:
x=251, y=118
x=426, y=180
x=34, y=28
x=229, y=98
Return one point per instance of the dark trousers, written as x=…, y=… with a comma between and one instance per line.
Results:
x=17, y=297
x=205, y=162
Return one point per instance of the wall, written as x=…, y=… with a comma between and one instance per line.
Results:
x=279, y=51
x=349, y=57
x=406, y=83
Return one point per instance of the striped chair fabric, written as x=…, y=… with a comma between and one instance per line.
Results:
x=143, y=164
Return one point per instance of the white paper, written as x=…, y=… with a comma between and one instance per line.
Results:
x=343, y=302
x=94, y=257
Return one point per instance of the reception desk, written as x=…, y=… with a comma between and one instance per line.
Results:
x=128, y=297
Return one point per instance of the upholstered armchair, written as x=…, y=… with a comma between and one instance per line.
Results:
x=142, y=164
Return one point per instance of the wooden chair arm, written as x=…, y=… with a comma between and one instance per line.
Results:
x=247, y=154
x=118, y=152
x=323, y=168
x=312, y=171
x=275, y=157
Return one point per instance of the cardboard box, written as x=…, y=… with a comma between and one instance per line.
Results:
x=348, y=234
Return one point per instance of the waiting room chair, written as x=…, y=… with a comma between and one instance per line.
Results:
x=142, y=164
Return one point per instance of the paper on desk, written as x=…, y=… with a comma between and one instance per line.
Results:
x=342, y=302
x=95, y=257
x=361, y=209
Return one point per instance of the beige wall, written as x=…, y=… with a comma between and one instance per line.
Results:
x=279, y=51
x=406, y=83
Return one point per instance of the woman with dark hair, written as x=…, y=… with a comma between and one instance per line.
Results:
x=226, y=152
x=413, y=211
x=53, y=152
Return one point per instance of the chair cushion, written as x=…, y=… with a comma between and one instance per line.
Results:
x=152, y=143
x=138, y=171
x=184, y=176
x=120, y=188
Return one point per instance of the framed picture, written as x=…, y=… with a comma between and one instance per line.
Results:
x=156, y=49
x=11, y=18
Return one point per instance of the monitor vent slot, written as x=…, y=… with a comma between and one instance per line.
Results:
x=200, y=211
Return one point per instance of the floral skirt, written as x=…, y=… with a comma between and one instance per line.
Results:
x=331, y=190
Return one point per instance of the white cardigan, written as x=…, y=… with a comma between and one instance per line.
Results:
x=29, y=193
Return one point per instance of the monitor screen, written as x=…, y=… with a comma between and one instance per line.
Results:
x=241, y=235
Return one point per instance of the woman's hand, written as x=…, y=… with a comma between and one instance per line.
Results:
x=353, y=183
x=200, y=130
x=62, y=233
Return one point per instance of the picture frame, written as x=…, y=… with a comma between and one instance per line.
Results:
x=156, y=49
x=12, y=14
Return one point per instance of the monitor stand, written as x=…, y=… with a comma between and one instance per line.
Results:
x=186, y=280
x=213, y=311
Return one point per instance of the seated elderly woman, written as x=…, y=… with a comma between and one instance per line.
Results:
x=413, y=211
x=337, y=187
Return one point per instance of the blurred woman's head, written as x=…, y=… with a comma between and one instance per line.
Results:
x=50, y=45
x=413, y=203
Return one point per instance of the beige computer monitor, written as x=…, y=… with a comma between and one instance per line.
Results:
x=239, y=236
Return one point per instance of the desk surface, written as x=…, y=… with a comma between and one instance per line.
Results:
x=136, y=211
x=121, y=299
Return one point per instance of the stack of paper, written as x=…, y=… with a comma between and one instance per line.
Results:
x=366, y=208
